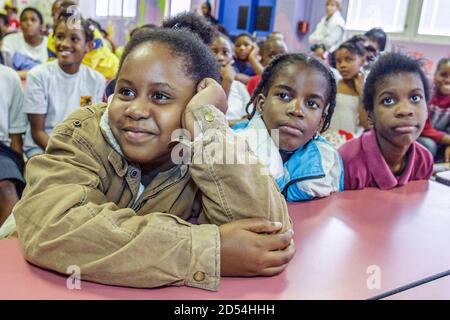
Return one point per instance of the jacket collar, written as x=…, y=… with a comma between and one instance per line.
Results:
x=116, y=156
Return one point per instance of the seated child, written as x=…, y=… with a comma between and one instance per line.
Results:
x=236, y=91
x=117, y=200
x=395, y=97
x=350, y=58
x=56, y=89
x=29, y=47
x=5, y=57
x=100, y=57
x=436, y=134
x=13, y=124
x=272, y=48
x=246, y=57
x=295, y=101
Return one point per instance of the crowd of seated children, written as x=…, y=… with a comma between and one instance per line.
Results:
x=116, y=189
x=436, y=134
x=295, y=101
x=238, y=96
x=271, y=48
x=107, y=179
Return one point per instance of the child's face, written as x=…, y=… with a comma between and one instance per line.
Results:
x=400, y=108
x=272, y=50
x=332, y=7
x=151, y=94
x=30, y=24
x=442, y=79
x=71, y=45
x=295, y=105
x=223, y=51
x=242, y=48
x=348, y=64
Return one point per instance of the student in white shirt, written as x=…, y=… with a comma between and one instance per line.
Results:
x=56, y=89
x=237, y=93
x=330, y=30
x=13, y=124
x=29, y=47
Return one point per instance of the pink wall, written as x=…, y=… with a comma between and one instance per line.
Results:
x=431, y=53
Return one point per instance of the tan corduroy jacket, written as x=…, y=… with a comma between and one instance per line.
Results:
x=83, y=206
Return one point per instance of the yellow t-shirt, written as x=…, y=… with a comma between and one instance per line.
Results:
x=100, y=58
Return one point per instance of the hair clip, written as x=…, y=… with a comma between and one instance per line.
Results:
x=176, y=26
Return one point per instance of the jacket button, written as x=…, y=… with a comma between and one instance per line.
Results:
x=209, y=116
x=199, y=276
x=77, y=124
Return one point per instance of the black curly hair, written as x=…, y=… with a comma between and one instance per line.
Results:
x=194, y=22
x=354, y=45
x=35, y=11
x=70, y=11
x=392, y=64
x=379, y=36
x=276, y=67
x=244, y=34
x=200, y=61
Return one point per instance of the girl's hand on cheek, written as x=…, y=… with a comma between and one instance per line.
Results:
x=208, y=92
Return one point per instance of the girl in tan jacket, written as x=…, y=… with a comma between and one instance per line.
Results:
x=119, y=185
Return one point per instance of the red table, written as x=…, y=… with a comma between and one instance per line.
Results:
x=404, y=232
x=435, y=290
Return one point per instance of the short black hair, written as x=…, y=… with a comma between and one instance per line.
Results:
x=379, y=36
x=245, y=34
x=145, y=26
x=442, y=62
x=314, y=47
x=355, y=47
x=277, y=65
x=194, y=22
x=66, y=14
x=392, y=64
x=200, y=61
x=208, y=5
x=36, y=11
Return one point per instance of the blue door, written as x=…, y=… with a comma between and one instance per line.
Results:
x=253, y=16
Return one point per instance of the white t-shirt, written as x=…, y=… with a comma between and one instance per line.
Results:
x=237, y=101
x=346, y=114
x=12, y=119
x=56, y=94
x=15, y=43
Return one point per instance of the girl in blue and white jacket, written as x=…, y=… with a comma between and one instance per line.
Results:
x=294, y=101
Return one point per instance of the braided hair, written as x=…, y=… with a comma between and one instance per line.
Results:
x=277, y=65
